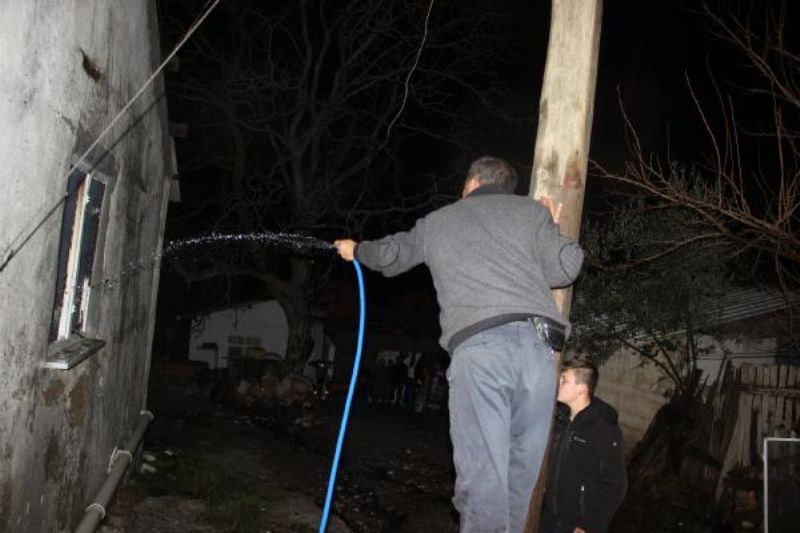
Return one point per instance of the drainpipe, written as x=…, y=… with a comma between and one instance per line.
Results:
x=120, y=460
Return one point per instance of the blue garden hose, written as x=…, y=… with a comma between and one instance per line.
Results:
x=353, y=378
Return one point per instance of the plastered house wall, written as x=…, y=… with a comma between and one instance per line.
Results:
x=68, y=68
x=262, y=324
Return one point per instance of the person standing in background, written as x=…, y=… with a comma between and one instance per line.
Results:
x=586, y=479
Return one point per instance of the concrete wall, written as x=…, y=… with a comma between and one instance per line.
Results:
x=68, y=67
x=638, y=388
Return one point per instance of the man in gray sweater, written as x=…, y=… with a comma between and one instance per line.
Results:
x=494, y=257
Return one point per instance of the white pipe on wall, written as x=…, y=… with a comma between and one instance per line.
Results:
x=96, y=510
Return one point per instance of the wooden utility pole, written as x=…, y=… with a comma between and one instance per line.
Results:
x=558, y=177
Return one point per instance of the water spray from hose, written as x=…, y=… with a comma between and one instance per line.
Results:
x=296, y=242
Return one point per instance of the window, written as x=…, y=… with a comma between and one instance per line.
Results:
x=234, y=352
x=78, y=245
x=79, y=233
x=244, y=341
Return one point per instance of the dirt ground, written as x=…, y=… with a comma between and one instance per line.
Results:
x=212, y=467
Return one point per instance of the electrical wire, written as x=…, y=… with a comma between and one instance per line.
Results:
x=406, y=90
x=14, y=248
x=353, y=379
x=408, y=76
x=146, y=84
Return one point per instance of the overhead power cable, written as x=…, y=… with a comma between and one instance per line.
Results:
x=25, y=235
x=406, y=84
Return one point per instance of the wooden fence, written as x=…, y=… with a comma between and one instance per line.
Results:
x=747, y=404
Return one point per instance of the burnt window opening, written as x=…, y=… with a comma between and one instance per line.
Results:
x=244, y=341
x=76, y=256
x=234, y=352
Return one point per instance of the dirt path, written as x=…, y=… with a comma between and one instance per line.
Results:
x=218, y=469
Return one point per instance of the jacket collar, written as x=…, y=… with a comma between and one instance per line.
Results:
x=489, y=189
x=596, y=410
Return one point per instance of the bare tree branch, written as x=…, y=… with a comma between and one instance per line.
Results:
x=292, y=108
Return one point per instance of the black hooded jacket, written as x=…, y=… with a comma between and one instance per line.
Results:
x=586, y=478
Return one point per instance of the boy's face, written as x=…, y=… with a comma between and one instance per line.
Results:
x=568, y=389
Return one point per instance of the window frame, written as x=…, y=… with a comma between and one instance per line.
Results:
x=82, y=239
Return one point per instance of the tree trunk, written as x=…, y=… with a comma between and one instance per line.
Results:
x=299, y=346
x=296, y=304
x=562, y=143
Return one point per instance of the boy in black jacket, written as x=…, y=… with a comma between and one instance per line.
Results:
x=586, y=478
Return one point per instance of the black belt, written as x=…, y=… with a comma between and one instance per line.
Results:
x=551, y=333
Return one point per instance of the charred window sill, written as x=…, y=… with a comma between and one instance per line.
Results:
x=67, y=353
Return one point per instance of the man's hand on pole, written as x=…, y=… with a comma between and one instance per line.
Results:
x=346, y=248
x=554, y=207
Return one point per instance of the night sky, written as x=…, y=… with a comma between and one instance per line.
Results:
x=648, y=51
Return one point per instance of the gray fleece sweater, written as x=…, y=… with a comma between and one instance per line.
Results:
x=492, y=255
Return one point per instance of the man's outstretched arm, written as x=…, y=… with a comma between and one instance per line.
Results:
x=391, y=255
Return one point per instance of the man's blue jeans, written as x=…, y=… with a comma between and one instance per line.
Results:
x=502, y=394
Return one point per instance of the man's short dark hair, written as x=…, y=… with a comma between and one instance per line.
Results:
x=585, y=372
x=493, y=171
